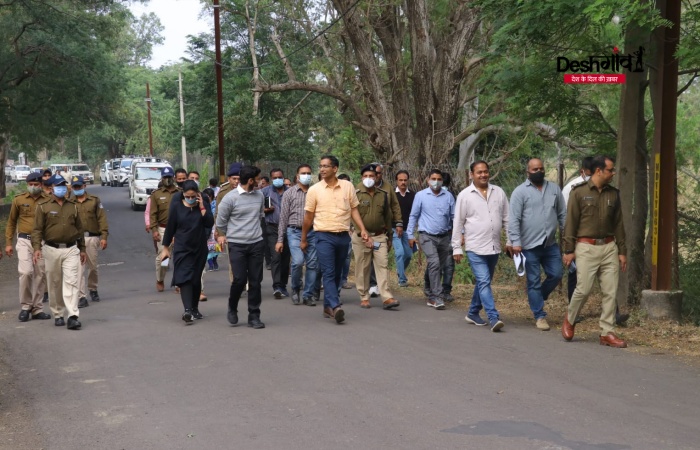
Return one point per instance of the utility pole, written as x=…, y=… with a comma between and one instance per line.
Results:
x=80, y=153
x=663, y=300
x=219, y=94
x=150, y=129
x=182, y=122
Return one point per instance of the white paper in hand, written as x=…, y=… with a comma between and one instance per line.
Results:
x=165, y=262
x=519, y=261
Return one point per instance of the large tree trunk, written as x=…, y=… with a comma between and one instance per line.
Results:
x=632, y=173
x=4, y=150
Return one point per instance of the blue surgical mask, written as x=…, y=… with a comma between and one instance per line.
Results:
x=278, y=182
x=60, y=191
x=79, y=192
x=305, y=179
x=191, y=201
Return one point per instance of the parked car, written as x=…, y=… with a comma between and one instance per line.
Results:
x=20, y=173
x=145, y=176
x=114, y=171
x=83, y=170
x=104, y=173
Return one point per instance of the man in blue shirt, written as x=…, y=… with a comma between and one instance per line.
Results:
x=432, y=213
x=279, y=262
x=537, y=209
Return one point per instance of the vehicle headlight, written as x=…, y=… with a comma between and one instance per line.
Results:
x=140, y=190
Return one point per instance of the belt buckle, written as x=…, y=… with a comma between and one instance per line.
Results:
x=600, y=241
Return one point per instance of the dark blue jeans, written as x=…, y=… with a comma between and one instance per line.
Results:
x=483, y=267
x=332, y=251
x=300, y=258
x=537, y=291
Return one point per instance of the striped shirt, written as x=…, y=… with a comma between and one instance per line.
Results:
x=292, y=213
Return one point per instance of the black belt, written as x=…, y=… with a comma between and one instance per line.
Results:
x=298, y=228
x=337, y=233
x=55, y=245
x=93, y=234
x=436, y=235
x=370, y=234
x=24, y=235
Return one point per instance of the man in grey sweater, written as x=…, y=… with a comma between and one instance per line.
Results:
x=238, y=224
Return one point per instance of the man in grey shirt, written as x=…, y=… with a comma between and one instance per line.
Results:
x=238, y=222
x=537, y=208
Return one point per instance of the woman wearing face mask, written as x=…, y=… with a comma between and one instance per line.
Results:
x=188, y=222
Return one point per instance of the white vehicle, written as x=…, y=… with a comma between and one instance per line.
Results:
x=104, y=173
x=145, y=176
x=37, y=170
x=8, y=174
x=83, y=170
x=114, y=171
x=20, y=173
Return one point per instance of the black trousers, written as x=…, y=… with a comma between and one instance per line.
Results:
x=280, y=262
x=189, y=293
x=268, y=253
x=247, y=267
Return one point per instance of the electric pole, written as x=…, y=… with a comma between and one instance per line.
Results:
x=150, y=130
x=182, y=122
x=219, y=94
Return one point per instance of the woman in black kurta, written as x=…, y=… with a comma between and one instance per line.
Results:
x=189, y=220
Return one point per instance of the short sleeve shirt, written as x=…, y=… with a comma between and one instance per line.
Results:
x=331, y=206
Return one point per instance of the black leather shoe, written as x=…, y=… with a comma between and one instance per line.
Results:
x=41, y=316
x=60, y=322
x=24, y=315
x=83, y=303
x=256, y=323
x=73, y=323
x=621, y=319
x=233, y=317
x=94, y=296
x=196, y=314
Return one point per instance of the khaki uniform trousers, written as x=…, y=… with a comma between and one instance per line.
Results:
x=62, y=267
x=32, y=277
x=160, y=270
x=88, y=282
x=363, y=260
x=599, y=261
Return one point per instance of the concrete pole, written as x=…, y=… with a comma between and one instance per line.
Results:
x=150, y=127
x=182, y=123
x=219, y=92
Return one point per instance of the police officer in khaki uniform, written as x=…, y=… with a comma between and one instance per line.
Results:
x=594, y=236
x=160, y=204
x=94, y=220
x=57, y=224
x=376, y=213
x=32, y=277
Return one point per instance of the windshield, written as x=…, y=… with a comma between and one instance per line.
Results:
x=115, y=164
x=126, y=163
x=148, y=173
x=22, y=168
x=80, y=168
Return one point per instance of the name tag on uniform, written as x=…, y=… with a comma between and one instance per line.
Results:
x=365, y=202
x=162, y=198
x=588, y=198
x=53, y=213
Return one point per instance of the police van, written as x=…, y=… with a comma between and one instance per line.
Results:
x=144, y=179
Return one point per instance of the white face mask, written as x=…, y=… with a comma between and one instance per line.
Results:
x=368, y=182
x=305, y=179
x=586, y=177
x=435, y=184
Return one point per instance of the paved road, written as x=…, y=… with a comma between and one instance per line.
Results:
x=136, y=378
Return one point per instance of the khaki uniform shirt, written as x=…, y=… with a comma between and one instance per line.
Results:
x=225, y=189
x=93, y=216
x=375, y=210
x=397, y=218
x=595, y=215
x=160, y=205
x=22, y=212
x=332, y=206
x=58, y=224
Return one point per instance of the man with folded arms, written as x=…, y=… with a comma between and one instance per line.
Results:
x=537, y=210
x=594, y=236
x=32, y=276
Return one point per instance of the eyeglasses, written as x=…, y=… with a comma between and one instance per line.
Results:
x=611, y=170
x=324, y=166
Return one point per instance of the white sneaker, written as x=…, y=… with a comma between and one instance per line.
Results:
x=374, y=291
x=542, y=324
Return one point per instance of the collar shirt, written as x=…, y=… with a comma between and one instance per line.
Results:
x=58, y=223
x=332, y=205
x=431, y=213
x=239, y=214
x=292, y=212
x=567, y=189
x=535, y=215
x=480, y=219
x=276, y=202
x=160, y=206
x=375, y=209
x=92, y=216
x=405, y=204
x=21, y=218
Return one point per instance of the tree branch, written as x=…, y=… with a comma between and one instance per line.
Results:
x=687, y=85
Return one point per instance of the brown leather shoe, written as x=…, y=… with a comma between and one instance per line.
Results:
x=390, y=303
x=327, y=313
x=160, y=286
x=612, y=341
x=567, y=330
x=339, y=315
x=365, y=304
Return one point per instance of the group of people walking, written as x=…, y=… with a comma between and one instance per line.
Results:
x=311, y=228
x=59, y=228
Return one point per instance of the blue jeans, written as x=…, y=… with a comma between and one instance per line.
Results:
x=537, y=291
x=332, y=250
x=300, y=258
x=403, y=253
x=346, y=267
x=483, y=267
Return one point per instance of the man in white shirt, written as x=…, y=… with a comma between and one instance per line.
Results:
x=481, y=211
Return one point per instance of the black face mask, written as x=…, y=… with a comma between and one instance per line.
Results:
x=180, y=183
x=536, y=178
